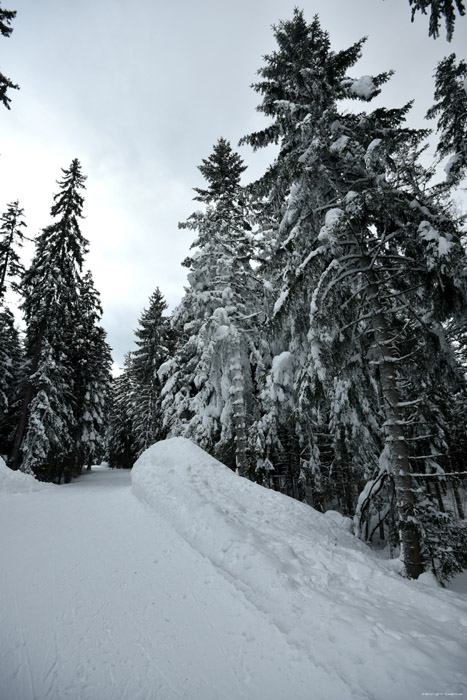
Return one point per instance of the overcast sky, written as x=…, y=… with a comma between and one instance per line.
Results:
x=140, y=91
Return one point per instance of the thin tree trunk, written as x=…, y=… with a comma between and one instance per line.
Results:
x=458, y=501
x=239, y=413
x=3, y=273
x=439, y=496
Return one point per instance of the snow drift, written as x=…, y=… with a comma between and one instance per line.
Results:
x=333, y=599
x=18, y=482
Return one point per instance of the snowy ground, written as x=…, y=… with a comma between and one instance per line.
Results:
x=198, y=585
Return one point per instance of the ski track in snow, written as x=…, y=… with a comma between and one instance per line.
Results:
x=207, y=587
x=113, y=604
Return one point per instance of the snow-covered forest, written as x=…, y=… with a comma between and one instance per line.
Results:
x=319, y=350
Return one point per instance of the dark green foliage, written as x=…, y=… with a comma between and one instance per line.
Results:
x=444, y=539
x=302, y=83
x=439, y=10
x=450, y=109
x=11, y=378
x=67, y=358
x=135, y=416
x=222, y=171
x=6, y=18
x=367, y=266
x=92, y=364
x=121, y=447
x=209, y=393
x=155, y=344
x=11, y=238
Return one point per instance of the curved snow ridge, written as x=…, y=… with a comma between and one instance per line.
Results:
x=18, y=482
x=323, y=589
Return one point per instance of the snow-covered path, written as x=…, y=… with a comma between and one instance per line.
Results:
x=207, y=587
x=102, y=600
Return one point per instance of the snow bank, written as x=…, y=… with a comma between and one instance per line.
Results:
x=332, y=599
x=18, y=482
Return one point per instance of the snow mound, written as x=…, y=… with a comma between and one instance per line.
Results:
x=18, y=482
x=331, y=598
x=364, y=87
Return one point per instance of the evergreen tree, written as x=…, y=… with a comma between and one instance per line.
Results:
x=11, y=377
x=6, y=18
x=44, y=440
x=368, y=251
x=209, y=394
x=11, y=352
x=11, y=238
x=155, y=341
x=121, y=447
x=301, y=85
x=451, y=110
x=439, y=10
x=92, y=363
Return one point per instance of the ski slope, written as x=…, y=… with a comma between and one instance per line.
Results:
x=191, y=583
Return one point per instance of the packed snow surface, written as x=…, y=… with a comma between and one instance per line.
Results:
x=199, y=585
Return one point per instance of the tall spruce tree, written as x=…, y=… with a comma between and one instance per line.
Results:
x=121, y=444
x=92, y=362
x=301, y=83
x=155, y=344
x=11, y=352
x=370, y=252
x=208, y=394
x=50, y=421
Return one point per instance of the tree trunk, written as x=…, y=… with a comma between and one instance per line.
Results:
x=396, y=438
x=239, y=413
x=3, y=272
x=460, y=510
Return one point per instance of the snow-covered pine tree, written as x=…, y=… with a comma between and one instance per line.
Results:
x=155, y=344
x=11, y=353
x=11, y=238
x=121, y=448
x=6, y=18
x=451, y=110
x=301, y=83
x=274, y=435
x=92, y=362
x=11, y=377
x=208, y=392
x=44, y=440
x=380, y=256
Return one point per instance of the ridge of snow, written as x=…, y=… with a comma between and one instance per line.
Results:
x=324, y=590
x=19, y=482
